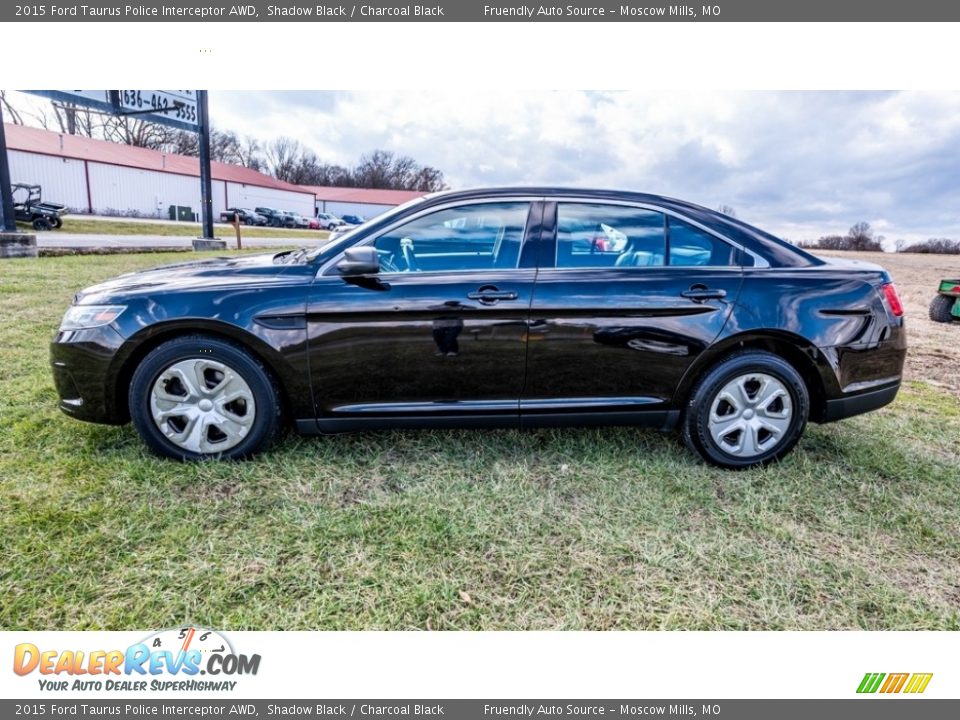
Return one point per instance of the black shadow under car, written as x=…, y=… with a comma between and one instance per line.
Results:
x=492, y=308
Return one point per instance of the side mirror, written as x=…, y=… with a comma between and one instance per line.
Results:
x=359, y=261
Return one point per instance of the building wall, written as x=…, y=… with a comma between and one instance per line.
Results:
x=364, y=210
x=121, y=190
x=147, y=193
x=62, y=179
x=251, y=196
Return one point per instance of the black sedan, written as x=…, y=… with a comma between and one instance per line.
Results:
x=492, y=308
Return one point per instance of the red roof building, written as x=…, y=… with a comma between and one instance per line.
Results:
x=97, y=176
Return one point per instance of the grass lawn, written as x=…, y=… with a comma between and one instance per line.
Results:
x=87, y=226
x=552, y=529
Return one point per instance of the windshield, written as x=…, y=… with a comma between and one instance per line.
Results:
x=332, y=245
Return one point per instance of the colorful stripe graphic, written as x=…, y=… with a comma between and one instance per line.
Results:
x=894, y=682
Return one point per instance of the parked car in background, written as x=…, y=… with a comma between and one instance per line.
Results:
x=247, y=216
x=493, y=308
x=353, y=219
x=274, y=217
x=329, y=221
x=295, y=220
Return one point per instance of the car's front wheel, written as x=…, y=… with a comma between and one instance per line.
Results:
x=749, y=409
x=198, y=397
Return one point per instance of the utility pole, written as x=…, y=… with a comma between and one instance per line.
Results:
x=206, y=185
x=8, y=222
x=13, y=244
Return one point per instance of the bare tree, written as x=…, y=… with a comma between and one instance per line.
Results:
x=283, y=155
x=138, y=133
x=75, y=120
x=935, y=245
x=9, y=110
x=374, y=170
x=861, y=237
x=250, y=153
x=384, y=169
x=727, y=210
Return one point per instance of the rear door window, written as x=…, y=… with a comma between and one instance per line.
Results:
x=691, y=246
x=598, y=235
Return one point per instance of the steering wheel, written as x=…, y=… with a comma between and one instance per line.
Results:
x=406, y=247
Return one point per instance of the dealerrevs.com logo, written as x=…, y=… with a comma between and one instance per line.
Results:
x=891, y=683
x=166, y=660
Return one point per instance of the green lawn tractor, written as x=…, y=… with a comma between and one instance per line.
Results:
x=945, y=305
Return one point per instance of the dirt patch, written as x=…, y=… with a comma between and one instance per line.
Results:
x=933, y=354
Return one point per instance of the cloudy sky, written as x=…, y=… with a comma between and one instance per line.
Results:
x=799, y=164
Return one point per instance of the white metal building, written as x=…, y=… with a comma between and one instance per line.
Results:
x=364, y=202
x=99, y=177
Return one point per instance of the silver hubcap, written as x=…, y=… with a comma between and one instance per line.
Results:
x=202, y=405
x=750, y=415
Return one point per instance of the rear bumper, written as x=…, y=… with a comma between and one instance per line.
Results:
x=844, y=407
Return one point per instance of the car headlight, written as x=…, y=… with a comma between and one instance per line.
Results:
x=81, y=317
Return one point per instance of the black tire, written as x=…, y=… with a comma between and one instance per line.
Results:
x=696, y=419
x=940, y=308
x=265, y=426
x=57, y=223
x=41, y=223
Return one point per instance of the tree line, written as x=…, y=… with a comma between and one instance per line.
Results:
x=861, y=237
x=284, y=158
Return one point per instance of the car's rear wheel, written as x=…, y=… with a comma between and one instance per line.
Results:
x=940, y=308
x=749, y=409
x=197, y=397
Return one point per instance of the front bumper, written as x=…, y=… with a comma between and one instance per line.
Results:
x=82, y=365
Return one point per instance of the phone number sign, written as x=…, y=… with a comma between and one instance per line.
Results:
x=172, y=107
x=177, y=108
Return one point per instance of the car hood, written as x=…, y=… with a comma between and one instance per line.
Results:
x=212, y=273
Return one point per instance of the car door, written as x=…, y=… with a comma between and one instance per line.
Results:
x=626, y=298
x=438, y=335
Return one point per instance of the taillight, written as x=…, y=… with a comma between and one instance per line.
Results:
x=893, y=300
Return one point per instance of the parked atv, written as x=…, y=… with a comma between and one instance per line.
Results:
x=945, y=305
x=28, y=206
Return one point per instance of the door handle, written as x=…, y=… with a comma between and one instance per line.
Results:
x=491, y=296
x=698, y=293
